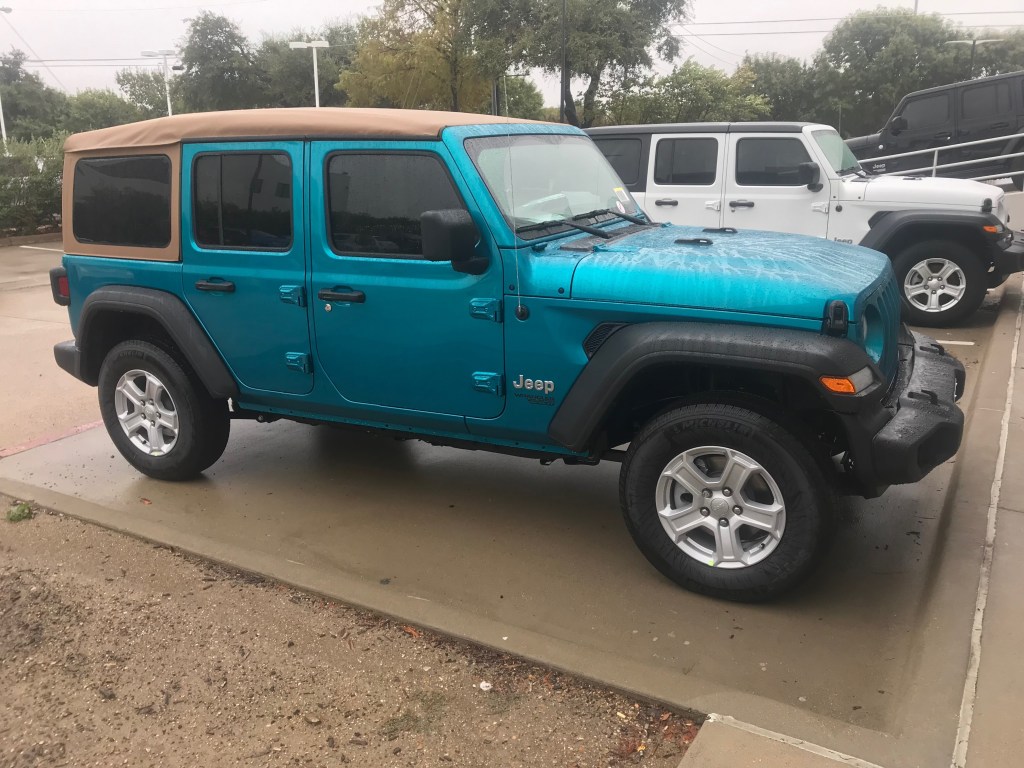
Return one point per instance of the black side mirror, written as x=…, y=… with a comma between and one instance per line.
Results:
x=810, y=174
x=898, y=125
x=450, y=235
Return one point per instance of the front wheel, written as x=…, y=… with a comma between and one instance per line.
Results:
x=941, y=282
x=158, y=415
x=725, y=501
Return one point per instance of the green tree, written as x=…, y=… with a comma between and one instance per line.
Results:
x=690, y=93
x=289, y=73
x=30, y=184
x=93, y=108
x=785, y=82
x=32, y=109
x=417, y=53
x=1007, y=55
x=606, y=38
x=144, y=89
x=220, y=69
x=878, y=56
x=522, y=98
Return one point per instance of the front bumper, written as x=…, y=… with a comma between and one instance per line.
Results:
x=917, y=427
x=1010, y=260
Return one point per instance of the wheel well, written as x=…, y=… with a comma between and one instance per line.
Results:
x=917, y=233
x=787, y=400
x=108, y=329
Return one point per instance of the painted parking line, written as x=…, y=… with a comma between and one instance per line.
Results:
x=41, y=248
x=45, y=439
x=970, y=694
x=955, y=343
x=801, y=744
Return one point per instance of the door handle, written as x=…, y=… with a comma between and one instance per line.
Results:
x=215, y=286
x=666, y=201
x=946, y=136
x=1000, y=125
x=741, y=204
x=342, y=294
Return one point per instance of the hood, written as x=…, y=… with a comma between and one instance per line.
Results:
x=926, y=190
x=750, y=271
x=862, y=143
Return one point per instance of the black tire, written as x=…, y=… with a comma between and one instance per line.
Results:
x=975, y=281
x=809, y=503
x=203, y=423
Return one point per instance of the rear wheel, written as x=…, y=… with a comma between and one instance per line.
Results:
x=725, y=502
x=941, y=282
x=158, y=414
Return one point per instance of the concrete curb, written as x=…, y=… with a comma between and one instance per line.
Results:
x=52, y=237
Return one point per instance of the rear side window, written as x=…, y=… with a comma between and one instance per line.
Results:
x=375, y=201
x=686, y=162
x=624, y=157
x=243, y=201
x=123, y=201
x=982, y=101
x=769, y=162
x=927, y=112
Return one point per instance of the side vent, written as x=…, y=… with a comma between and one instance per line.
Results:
x=599, y=336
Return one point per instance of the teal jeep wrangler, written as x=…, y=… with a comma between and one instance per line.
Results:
x=490, y=284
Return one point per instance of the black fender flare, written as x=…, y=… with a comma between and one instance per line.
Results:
x=173, y=316
x=636, y=348
x=886, y=226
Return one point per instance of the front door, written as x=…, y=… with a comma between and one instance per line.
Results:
x=392, y=330
x=931, y=124
x=244, y=258
x=685, y=181
x=763, y=189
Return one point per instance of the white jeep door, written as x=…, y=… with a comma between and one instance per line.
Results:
x=684, y=183
x=763, y=189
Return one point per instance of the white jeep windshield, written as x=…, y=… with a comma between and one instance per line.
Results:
x=840, y=157
x=549, y=179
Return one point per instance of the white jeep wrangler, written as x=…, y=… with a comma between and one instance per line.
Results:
x=949, y=239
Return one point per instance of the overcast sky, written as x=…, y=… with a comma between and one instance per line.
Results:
x=68, y=33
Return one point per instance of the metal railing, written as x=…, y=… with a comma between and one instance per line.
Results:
x=935, y=167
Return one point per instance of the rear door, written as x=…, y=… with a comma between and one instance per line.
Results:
x=986, y=112
x=763, y=189
x=684, y=183
x=244, y=258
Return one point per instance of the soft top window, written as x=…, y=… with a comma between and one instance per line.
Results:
x=123, y=201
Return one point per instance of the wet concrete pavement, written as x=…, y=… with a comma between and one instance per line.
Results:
x=868, y=657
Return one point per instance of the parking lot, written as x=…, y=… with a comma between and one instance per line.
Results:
x=868, y=658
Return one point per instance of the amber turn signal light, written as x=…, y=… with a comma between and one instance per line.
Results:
x=838, y=384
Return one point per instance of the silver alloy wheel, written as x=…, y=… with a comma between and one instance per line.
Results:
x=146, y=412
x=720, y=507
x=934, y=285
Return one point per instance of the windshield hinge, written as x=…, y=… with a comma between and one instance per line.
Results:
x=491, y=383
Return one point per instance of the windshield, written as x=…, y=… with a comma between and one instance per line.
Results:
x=538, y=179
x=840, y=157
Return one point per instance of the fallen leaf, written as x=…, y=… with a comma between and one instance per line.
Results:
x=145, y=501
x=412, y=631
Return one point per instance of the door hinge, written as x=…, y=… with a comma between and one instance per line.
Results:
x=485, y=309
x=293, y=294
x=489, y=382
x=819, y=207
x=713, y=205
x=298, y=361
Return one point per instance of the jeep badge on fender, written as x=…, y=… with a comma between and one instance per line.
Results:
x=742, y=378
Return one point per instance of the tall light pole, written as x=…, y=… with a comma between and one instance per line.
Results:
x=974, y=47
x=163, y=53
x=314, y=44
x=3, y=127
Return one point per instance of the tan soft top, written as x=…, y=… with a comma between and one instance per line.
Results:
x=290, y=123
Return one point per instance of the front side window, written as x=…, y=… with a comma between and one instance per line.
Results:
x=123, y=201
x=927, y=112
x=770, y=162
x=540, y=181
x=243, y=201
x=624, y=156
x=375, y=201
x=690, y=162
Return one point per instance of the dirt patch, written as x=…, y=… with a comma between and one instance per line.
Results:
x=116, y=652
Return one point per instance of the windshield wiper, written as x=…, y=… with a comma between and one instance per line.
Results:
x=567, y=222
x=620, y=214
